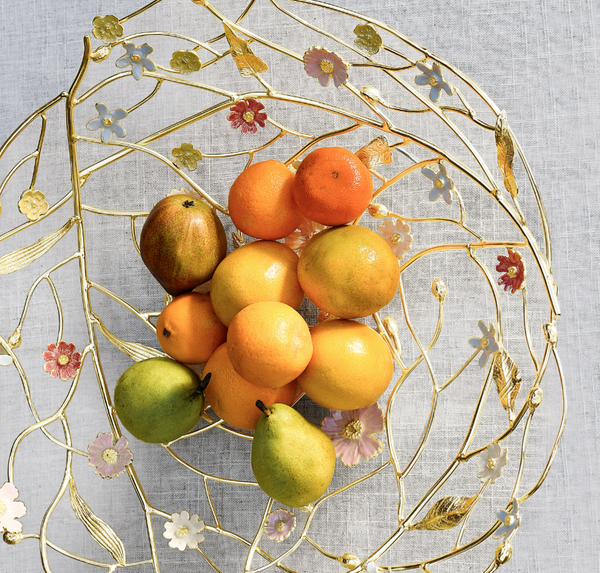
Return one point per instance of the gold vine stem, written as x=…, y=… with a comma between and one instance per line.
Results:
x=526, y=328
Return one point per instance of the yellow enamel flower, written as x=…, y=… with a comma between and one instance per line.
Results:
x=186, y=156
x=367, y=38
x=107, y=28
x=185, y=61
x=33, y=204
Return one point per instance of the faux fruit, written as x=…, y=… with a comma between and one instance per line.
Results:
x=159, y=400
x=293, y=460
x=182, y=242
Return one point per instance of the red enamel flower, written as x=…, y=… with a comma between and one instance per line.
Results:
x=246, y=115
x=513, y=268
x=62, y=361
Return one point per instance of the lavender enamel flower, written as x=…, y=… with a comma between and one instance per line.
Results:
x=432, y=77
x=397, y=234
x=280, y=524
x=324, y=65
x=108, y=121
x=108, y=458
x=487, y=343
x=442, y=184
x=137, y=58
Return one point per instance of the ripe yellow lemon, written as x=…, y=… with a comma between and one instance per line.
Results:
x=349, y=271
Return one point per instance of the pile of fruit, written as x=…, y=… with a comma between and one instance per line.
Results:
x=259, y=352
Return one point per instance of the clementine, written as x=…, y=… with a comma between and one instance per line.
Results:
x=261, y=202
x=332, y=186
x=188, y=329
x=233, y=398
x=269, y=343
x=351, y=365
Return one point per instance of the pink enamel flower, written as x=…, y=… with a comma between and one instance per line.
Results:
x=280, y=524
x=108, y=458
x=397, y=234
x=10, y=509
x=62, y=360
x=324, y=65
x=300, y=237
x=246, y=114
x=513, y=268
x=351, y=432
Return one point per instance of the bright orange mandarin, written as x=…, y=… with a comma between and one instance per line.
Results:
x=261, y=202
x=254, y=272
x=350, y=368
x=332, y=186
x=269, y=343
x=188, y=329
x=233, y=398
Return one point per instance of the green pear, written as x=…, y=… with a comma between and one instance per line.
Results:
x=292, y=459
x=159, y=400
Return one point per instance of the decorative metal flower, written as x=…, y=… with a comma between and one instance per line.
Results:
x=487, y=344
x=10, y=509
x=185, y=61
x=367, y=38
x=300, y=237
x=433, y=77
x=513, y=268
x=184, y=531
x=186, y=156
x=321, y=64
x=246, y=114
x=107, y=28
x=182, y=191
x=33, y=204
x=280, y=524
x=442, y=184
x=351, y=432
x=62, y=361
x=397, y=234
x=491, y=461
x=108, y=458
x=137, y=58
x=108, y=121
x=510, y=520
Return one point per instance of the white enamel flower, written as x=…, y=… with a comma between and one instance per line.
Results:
x=442, y=184
x=137, y=58
x=108, y=121
x=397, y=234
x=510, y=520
x=491, y=461
x=10, y=509
x=300, y=237
x=487, y=343
x=184, y=531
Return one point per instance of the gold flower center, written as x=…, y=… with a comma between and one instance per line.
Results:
x=107, y=121
x=491, y=463
x=110, y=456
x=353, y=429
x=509, y=520
x=432, y=81
x=280, y=525
x=63, y=360
x=512, y=272
x=3, y=507
x=396, y=238
x=484, y=342
x=248, y=116
x=136, y=58
x=440, y=182
x=182, y=531
x=326, y=66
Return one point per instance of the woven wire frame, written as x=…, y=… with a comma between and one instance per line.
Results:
x=472, y=328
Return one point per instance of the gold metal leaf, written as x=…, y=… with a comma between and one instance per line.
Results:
x=20, y=258
x=506, y=153
x=376, y=152
x=99, y=530
x=247, y=62
x=134, y=350
x=508, y=381
x=446, y=513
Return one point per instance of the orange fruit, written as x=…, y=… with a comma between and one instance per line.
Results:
x=233, y=398
x=350, y=368
x=349, y=271
x=332, y=186
x=188, y=329
x=254, y=272
x=261, y=202
x=269, y=343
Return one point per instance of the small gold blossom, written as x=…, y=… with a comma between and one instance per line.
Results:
x=33, y=204
x=186, y=156
x=367, y=38
x=185, y=61
x=107, y=28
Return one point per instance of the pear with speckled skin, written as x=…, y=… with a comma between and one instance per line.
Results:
x=293, y=460
x=159, y=400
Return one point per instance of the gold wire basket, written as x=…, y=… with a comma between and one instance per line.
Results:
x=473, y=336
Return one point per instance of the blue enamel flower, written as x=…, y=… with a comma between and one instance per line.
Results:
x=510, y=520
x=137, y=58
x=442, y=184
x=487, y=343
x=433, y=77
x=108, y=122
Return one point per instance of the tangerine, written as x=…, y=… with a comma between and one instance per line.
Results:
x=254, y=272
x=233, y=398
x=351, y=365
x=332, y=186
x=188, y=329
x=269, y=343
x=261, y=202
x=349, y=271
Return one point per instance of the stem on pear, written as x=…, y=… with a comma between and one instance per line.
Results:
x=263, y=408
